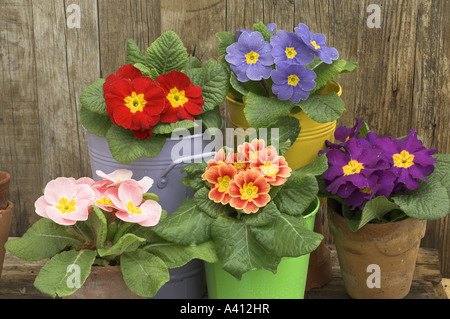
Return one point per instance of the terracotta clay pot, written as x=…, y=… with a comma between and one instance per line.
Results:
x=6, y=208
x=377, y=261
x=104, y=283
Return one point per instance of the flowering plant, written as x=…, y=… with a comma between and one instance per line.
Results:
x=383, y=179
x=105, y=223
x=152, y=95
x=280, y=73
x=250, y=206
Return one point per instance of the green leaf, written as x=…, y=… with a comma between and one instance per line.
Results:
x=262, y=111
x=146, y=71
x=288, y=131
x=266, y=216
x=126, y=148
x=134, y=54
x=288, y=236
x=150, y=196
x=95, y=123
x=192, y=63
x=238, y=249
x=428, y=202
x=175, y=255
x=208, y=206
x=441, y=171
x=373, y=209
x=58, y=276
x=210, y=119
x=166, y=53
x=97, y=221
x=42, y=240
x=317, y=167
x=225, y=40
x=261, y=28
x=144, y=273
x=188, y=225
x=112, y=230
x=92, y=98
x=168, y=128
x=327, y=72
x=126, y=243
x=323, y=108
x=297, y=193
x=214, y=81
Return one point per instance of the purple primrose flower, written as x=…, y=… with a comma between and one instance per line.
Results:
x=316, y=42
x=270, y=26
x=410, y=160
x=288, y=47
x=250, y=57
x=292, y=82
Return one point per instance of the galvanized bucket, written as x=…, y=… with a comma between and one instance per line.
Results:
x=188, y=281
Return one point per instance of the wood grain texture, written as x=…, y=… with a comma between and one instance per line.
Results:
x=401, y=82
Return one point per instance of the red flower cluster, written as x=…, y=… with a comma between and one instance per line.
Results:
x=138, y=103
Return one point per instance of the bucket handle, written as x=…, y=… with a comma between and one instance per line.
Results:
x=162, y=181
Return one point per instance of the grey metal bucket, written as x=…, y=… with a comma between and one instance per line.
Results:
x=188, y=281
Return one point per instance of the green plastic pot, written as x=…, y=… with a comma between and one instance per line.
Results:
x=288, y=282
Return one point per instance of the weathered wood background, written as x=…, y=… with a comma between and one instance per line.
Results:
x=401, y=82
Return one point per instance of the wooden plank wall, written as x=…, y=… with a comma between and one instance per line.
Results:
x=401, y=82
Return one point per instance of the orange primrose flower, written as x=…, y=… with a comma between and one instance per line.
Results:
x=274, y=168
x=219, y=178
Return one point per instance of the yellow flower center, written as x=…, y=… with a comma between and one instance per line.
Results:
x=366, y=190
x=249, y=192
x=65, y=206
x=316, y=46
x=252, y=57
x=353, y=167
x=290, y=53
x=135, y=102
x=404, y=159
x=177, y=98
x=293, y=80
x=223, y=183
x=270, y=169
x=104, y=201
x=133, y=209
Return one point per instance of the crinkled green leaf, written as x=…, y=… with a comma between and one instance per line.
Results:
x=238, y=249
x=262, y=28
x=134, y=54
x=143, y=272
x=126, y=148
x=214, y=81
x=168, y=128
x=43, y=239
x=225, y=40
x=188, y=225
x=210, y=119
x=208, y=206
x=92, y=97
x=263, y=111
x=60, y=274
x=297, y=193
x=166, y=53
x=428, y=202
x=316, y=167
x=97, y=221
x=327, y=72
x=288, y=236
x=126, y=243
x=442, y=171
x=374, y=209
x=323, y=108
x=192, y=63
x=175, y=255
x=146, y=71
x=263, y=217
x=95, y=123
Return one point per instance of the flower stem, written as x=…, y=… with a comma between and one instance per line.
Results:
x=264, y=83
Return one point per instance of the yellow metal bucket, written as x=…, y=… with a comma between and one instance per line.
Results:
x=312, y=136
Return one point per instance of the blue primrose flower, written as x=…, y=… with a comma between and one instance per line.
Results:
x=270, y=26
x=316, y=42
x=289, y=47
x=250, y=57
x=292, y=82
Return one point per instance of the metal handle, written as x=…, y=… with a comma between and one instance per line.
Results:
x=162, y=181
